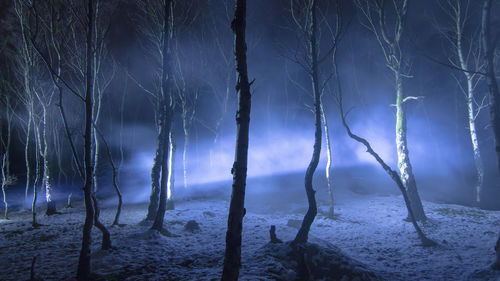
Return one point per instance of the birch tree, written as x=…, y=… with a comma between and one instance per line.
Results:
x=389, y=36
x=467, y=58
x=156, y=23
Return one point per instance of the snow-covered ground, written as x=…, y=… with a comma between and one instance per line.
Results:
x=367, y=228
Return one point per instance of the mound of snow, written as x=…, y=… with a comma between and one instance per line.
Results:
x=315, y=262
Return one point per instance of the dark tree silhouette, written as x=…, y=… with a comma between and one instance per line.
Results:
x=157, y=25
x=494, y=94
x=83, y=271
x=165, y=112
x=309, y=26
x=232, y=257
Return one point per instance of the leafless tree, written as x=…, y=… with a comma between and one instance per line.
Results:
x=157, y=26
x=232, y=256
x=467, y=58
x=389, y=35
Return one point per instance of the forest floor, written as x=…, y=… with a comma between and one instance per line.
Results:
x=368, y=228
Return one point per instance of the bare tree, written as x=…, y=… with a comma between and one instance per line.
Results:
x=393, y=174
x=310, y=26
x=375, y=14
x=8, y=107
x=26, y=64
x=166, y=103
x=222, y=49
x=84, y=270
x=157, y=25
x=468, y=59
x=232, y=256
x=187, y=97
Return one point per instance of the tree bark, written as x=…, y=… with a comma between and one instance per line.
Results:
x=494, y=95
x=106, y=236
x=165, y=111
x=405, y=168
x=328, y=168
x=4, y=184
x=38, y=173
x=27, y=155
x=471, y=110
x=303, y=233
x=5, y=168
x=47, y=181
x=155, y=177
x=184, y=155
x=162, y=205
x=232, y=256
x=171, y=172
x=393, y=174
x=84, y=270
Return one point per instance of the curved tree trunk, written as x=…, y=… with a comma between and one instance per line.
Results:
x=303, y=233
x=106, y=236
x=232, y=256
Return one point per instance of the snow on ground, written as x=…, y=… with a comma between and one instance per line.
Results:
x=369, y=229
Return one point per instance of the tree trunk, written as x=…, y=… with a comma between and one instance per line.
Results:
x=303, y=233
x=47, y=181
x=184, y=155
x=232, y=256
x=475, y=144
x=83, y=271
x=328, y=169
x=5, y=168
x=116, y=221
x=38, y=173
x=26, y=155
x=471, y=111
x=393, y=174
x=171, y=172
x=494, y=95
x=4, y=183
x=405, y=168
x=165, y=111
x=162, y=206
x=106, y=236
x=155, y=179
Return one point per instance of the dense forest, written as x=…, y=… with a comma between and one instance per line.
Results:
x=252, y=140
